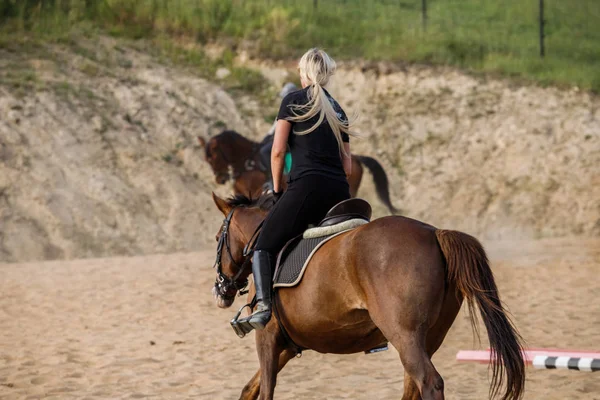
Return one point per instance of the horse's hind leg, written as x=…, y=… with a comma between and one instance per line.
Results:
x=408, y=336
x=411, y=391
x=421, y=380
x=435, y=337
x=252, y=388
x=418, y=367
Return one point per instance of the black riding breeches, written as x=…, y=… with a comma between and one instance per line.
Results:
x=305, y=202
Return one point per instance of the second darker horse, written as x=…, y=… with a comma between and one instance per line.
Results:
x=234, y=157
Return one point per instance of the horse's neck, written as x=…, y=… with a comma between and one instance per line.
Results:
x=249, y=182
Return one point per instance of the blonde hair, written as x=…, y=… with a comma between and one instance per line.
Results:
x=316, y=67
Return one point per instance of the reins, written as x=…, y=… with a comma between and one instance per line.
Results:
x=225, y=285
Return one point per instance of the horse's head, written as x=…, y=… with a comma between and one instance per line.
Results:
x=235, y=241
x=216, y=158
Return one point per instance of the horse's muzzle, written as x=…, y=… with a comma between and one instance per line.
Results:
x=222, y=302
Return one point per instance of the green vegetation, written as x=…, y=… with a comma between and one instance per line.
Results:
x=240, y=78
x=479, y=35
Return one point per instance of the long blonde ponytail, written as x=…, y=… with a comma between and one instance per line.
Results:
x=316, y=67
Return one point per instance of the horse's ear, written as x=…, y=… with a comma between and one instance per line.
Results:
x=222, y=205
x=202, y=141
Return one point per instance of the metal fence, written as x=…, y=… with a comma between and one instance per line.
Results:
x=580, y=19
x=567, y=31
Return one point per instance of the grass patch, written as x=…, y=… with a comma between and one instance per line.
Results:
x=192, y=56
x=220, y=124
x=90, y=69
x=19, y=76
x=246, y=80
x=488, y=36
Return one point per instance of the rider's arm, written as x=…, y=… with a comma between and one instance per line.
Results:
x=282, y=132
x=272, y=128
x=347, y=160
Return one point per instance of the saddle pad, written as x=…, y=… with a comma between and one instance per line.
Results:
x=320, y=231
x=295, y=257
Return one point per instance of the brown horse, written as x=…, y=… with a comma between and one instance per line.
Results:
x=234, y=157
x=393, y=280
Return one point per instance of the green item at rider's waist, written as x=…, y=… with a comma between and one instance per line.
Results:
x=287, y=166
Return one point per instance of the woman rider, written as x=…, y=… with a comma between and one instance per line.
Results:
x=316, y=129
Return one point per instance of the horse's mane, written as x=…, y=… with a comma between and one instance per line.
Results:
x=231, y=134
x=265, y=201
x=223, y=138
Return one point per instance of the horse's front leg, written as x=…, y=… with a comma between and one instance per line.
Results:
x=270, y=347
x=252, y=388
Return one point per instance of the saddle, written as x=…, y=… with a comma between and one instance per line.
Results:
x=347, y=209
x=297, y=253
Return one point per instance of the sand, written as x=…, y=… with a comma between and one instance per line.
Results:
x=147, y=327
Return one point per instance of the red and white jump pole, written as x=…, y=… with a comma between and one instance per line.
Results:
x=543, y=358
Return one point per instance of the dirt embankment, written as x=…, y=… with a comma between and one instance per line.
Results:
x=98, y=157
x=487, y=157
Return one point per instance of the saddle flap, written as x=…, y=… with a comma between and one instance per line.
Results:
x=297, y=253
x=348, y=209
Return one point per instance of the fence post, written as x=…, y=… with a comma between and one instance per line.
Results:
x=542, y=22
x=424, y=14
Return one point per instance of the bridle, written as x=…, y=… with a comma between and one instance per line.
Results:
x=225, y=173
x=227, y=286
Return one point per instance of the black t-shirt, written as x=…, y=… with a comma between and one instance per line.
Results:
x=315, y=153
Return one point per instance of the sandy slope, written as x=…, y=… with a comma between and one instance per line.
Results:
x=100, y=158
x=147, y=327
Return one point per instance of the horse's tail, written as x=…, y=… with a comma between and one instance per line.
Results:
x=468, y=267
x=381, y=181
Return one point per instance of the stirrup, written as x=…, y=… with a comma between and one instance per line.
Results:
x=243, y=327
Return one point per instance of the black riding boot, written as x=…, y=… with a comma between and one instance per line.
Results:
x=262, y=269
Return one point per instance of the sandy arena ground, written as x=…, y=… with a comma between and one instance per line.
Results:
x=147, y=327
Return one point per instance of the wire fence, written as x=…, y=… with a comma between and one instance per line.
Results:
x=518, y=26
x=548, y=40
